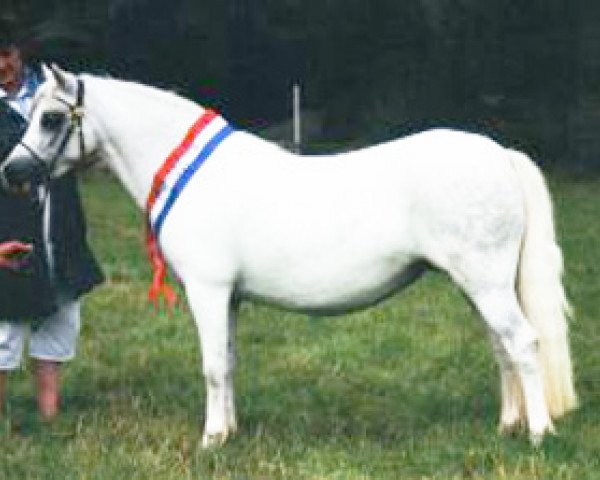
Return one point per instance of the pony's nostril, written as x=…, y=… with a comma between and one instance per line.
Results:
x=18, y=173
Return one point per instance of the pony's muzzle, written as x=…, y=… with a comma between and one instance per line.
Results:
x=20, y=172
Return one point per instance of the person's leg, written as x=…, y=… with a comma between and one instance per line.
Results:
x=47, y=386
x=52, y=344
x=3, y=376
x=11, y=349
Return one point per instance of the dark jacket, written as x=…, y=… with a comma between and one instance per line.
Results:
x=27, y=292
x=32, y=291
x=76, y=271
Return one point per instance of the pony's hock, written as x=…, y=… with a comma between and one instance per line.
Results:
x=238, y=217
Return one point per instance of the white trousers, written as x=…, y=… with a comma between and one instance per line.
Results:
x=54, y=339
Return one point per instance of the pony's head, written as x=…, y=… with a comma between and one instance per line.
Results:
x=56, y=137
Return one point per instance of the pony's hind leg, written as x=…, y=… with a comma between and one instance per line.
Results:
x=211, y=309
x=512, y=412
x=502, y=313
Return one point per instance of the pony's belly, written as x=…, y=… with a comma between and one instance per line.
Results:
x=328, y=293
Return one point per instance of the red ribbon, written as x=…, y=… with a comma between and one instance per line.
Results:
x=159, y=288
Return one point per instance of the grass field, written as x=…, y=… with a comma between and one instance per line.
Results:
x=406, y=390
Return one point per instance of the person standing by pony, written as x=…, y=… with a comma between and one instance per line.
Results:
x=45, y=262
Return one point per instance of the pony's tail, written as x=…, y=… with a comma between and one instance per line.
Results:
x=540, y=290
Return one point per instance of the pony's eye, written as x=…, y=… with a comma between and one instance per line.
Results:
x=53, y=120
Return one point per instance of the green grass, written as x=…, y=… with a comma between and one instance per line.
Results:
x=405, y=390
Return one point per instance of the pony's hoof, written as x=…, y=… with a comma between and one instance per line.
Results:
x=510, y=429
x=214, y=440
x=536, y=438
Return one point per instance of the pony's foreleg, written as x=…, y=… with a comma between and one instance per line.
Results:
x=211, y=310
x=503, y=315
x=230, y=416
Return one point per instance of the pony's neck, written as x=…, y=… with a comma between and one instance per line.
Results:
x=140, y=126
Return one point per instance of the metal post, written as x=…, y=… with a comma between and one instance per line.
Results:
x=297, y=134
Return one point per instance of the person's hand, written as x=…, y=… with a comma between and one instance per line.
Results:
x=13, y=253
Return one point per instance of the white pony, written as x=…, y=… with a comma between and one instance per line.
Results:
x=324, y=234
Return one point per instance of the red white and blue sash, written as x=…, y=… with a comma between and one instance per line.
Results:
x=201, y=140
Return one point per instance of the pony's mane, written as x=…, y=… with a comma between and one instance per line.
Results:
x=155, y=93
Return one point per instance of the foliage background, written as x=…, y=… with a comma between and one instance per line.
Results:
x=524, y=71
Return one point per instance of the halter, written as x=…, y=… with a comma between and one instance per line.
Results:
x=75, y=123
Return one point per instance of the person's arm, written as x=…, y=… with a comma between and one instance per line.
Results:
x=10, y=253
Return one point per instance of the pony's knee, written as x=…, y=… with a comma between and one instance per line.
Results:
x=218, y=373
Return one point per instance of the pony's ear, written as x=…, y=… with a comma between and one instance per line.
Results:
x=63, y=79
x=60, y=75
x=47, y=73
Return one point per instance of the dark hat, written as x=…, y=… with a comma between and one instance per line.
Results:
x=10, y=31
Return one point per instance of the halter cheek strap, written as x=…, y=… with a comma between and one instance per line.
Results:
x=76, y=113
